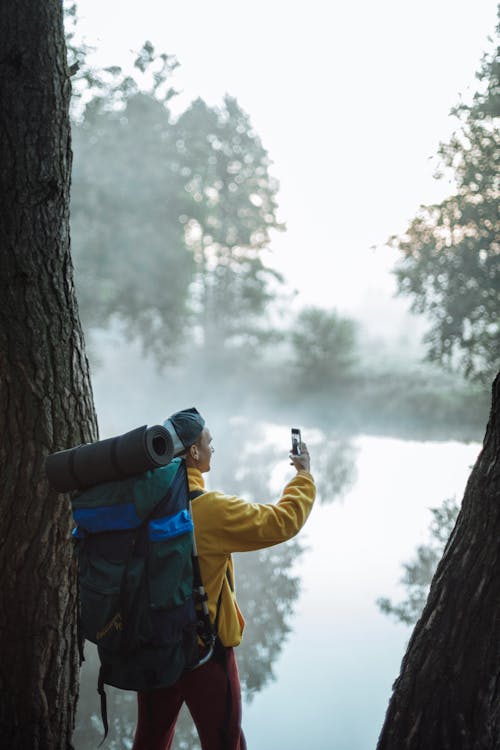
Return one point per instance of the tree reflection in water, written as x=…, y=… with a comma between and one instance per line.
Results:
x=267, y=581
x=334, y=468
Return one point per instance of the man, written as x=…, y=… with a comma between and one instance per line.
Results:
x=223, y=524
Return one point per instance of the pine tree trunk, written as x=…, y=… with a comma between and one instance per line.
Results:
x=45, y=395
x=447, y=696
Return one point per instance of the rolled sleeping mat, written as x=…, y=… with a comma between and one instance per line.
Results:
x=118, y=457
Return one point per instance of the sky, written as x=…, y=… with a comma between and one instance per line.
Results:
x=351, y=100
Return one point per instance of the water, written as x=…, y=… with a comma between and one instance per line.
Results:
x=334, y=674
x=333, y=680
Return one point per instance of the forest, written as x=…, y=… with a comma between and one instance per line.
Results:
x=193, y=208
x=147, y=236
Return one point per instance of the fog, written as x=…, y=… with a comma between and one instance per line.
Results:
x=230, y=221
x=350, y=100
x=313, y=625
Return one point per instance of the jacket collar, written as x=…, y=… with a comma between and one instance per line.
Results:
x=195, y=479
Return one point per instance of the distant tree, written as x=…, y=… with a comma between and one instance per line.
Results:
x=45, y=393
x=334, y=468
x=231, y=212
x=324, y=348
x=170, y=217
x=82, y=76
x=450, y=264
x=130, y=259
x=419, y=572
x=447, y=694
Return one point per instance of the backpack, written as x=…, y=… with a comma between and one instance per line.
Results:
x=142, y=601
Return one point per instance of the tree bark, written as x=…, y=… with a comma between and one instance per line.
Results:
x=447, y=696
x=45, y=395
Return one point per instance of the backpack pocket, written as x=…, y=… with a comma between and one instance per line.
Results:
x=114, y=614
x=100, y=584
x=170, y=572
x=176, y=625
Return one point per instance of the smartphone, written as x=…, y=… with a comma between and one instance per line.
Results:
x=296, y=442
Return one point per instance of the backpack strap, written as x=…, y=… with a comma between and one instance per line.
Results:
x=104, y=704
x=206, y=632
x=195, y=493
x=192, y=496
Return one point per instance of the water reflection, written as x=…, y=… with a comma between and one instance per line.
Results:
x=334, y=468
x=419, y=572
x=337, y=640
x=268, y=581
x=342, y=655
x=265, y=586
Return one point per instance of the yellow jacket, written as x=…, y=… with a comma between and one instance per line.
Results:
x=224, y=524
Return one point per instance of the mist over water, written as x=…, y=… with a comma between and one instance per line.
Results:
x=186, y=286
x=318, y=657
x=335, y=675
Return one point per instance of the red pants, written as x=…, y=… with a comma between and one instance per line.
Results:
x=212, y=695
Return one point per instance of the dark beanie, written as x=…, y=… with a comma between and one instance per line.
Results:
x=185, y=428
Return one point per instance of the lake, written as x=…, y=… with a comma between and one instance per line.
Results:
x=334, y=674
x=334, y=678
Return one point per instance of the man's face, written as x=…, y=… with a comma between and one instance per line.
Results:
x=200, y=453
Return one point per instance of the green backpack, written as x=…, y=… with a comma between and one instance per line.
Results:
x=142, y=601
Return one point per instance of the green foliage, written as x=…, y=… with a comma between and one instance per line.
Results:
x=169, y=217
x=128, y=249
x=419, y=572
x=323, y=344
x=231, y=211
x=450, y=263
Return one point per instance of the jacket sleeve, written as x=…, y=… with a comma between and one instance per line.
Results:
x=243, y=526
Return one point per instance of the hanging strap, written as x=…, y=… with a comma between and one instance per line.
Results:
x=197, y=574
x=104, y=704
x=206, y=631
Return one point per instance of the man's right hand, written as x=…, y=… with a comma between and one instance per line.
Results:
x=302, y=462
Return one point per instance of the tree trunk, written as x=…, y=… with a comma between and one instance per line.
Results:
x=447, y=696
x=45, y=395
